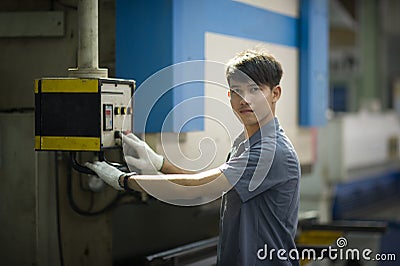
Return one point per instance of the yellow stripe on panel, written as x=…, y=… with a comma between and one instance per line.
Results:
x=67, y=143
x=70, y=85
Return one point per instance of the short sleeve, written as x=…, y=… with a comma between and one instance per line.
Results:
x=250, y=173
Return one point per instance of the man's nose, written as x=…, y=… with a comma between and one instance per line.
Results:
x=245, y=98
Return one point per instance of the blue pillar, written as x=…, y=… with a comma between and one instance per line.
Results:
x=314, y=51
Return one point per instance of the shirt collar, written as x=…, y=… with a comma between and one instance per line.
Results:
x=267, y=131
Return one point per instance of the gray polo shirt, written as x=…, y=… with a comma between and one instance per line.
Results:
x=259, y=215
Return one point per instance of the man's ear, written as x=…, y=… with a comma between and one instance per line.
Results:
x=276, y=93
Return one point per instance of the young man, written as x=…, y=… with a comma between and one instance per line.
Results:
x=259, y=181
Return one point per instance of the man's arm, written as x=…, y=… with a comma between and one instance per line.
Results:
x=207, y=184
x=182, y=185
x=190, y=180
x=169, y=168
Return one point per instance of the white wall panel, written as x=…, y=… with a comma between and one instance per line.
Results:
x=366, y=138
x=285, y=7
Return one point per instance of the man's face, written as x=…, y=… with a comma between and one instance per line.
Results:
x=251, y=103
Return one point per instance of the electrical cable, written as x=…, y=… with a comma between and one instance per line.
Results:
x=82, y=212
x=80, y=168
x=119, y=166
x=74, y=164
x=60, y=249
x=74, y=206
x=83, y=169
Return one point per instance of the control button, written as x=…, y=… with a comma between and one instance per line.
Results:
x=117, y=134
x=123, y=110
x=107, y=117
x=128, y=111
x=117, y=111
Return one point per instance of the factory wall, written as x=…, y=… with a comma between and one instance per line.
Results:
x=28, y=189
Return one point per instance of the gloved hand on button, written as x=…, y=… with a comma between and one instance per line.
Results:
x=138, y=155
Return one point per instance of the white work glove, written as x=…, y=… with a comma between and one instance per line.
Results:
x=138, y=155
x=107, y=173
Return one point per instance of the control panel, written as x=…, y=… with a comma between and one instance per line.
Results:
x=75, y=114
x=116, y=111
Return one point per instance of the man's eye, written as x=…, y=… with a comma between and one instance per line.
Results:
x=254, y=90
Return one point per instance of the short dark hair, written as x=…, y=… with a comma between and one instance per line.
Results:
x=258, y=65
